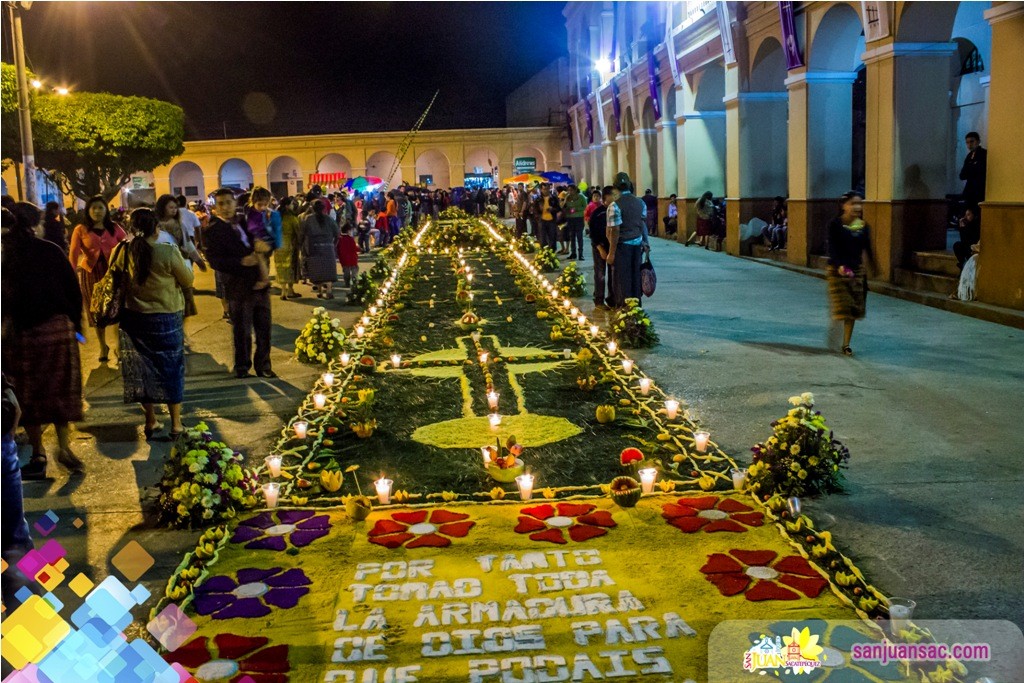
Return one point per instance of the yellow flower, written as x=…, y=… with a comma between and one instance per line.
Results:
x=813, y=461
x=808, y=644
x=802, y=474
x=795, y=449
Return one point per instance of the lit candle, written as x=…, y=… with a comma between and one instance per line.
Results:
x=383, y=490
x=492, y=400
x=476, y=335
x=319, y=400
x=471, y=296
x=612, y=347
x=793, y=503
x=700, y=440
x=573, y=312
x=365, y=320
x=273, y=465
x=345, y=358
x=581, y=319
x=396, y=360
x=486, y=452
x=373, y=310
x=380, y=302
x=483, y=357
x=270, y=493
x=360, y=330
x=566, y=303
x=495, y=420
x=627, y=366
x=525, y=483
x=739, y=478
x=469, y=278
x=647, y=477
x=901, y=610
x=645, y=385
x=328, y=378
x=300, y=429
x=671, y=408
x=567, y=353
x=594, y=329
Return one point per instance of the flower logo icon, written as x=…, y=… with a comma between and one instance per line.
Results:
x=420, y=529
x=577, y=521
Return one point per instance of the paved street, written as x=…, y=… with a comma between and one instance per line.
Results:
x=930, y=408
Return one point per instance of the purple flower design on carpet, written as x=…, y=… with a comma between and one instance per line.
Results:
x=273, y=530
x=251, y=593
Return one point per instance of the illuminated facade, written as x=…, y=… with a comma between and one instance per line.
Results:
x=875, y=96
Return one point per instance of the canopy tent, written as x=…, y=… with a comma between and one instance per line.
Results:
x=328, y=179
x=363, y=182
x=527, y=178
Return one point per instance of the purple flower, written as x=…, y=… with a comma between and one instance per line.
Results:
x=251, y=593
x=273, y=530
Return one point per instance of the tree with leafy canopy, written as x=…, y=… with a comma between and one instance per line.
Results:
x=92, y=143
x=10, y=142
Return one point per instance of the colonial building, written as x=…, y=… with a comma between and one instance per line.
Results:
x=753, y=100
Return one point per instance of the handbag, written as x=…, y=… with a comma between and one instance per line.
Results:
x=648, y=278
x=109, y=293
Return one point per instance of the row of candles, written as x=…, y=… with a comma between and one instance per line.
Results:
x=272, y=490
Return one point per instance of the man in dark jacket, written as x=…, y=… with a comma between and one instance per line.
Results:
x=545, y=210
x=230, y=252
x=603, y=273
x=974, y=170
x=651, y=202
x=627, y=239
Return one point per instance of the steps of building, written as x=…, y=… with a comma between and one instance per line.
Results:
x=926, y=282
x=937, y=262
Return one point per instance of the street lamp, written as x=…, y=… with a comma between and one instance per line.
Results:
x=603, y=66
x=24, y=113
x=36, y=83
x=61, y=90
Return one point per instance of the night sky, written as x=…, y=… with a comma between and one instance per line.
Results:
x=288, y=68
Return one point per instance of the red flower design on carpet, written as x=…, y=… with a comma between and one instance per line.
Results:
x=420, y=528
x=783, y=579
x=711, y=514
x=551, y=523
x=233, y=658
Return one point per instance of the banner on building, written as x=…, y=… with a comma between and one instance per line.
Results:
x=524, y=164
x=600, y=116
x=589, y=113
x=790, y=43
x=616, y=108
x=725, y=29
x=652, y=81
x=876, y=20
x=634, y=114
x=670, y=48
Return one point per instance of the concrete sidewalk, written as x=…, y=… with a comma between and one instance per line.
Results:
x=930, y=407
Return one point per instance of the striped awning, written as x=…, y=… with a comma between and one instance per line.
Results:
x=328, y=179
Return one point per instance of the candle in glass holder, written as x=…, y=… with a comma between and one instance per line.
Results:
x=319, y=400
x=469, y=278
x=373, y=310
x=627, y=366
x=566, y=303
x=345, y=358
x=365, y=320
x=328, y=378
x=383, y=487
x=567, y=353
x=671, y=408
x=594, y=330
x=270, y=493
x=484, y=355
x=380, y=302
x=647, y=477
x=901, y=610
x=476, y=335
x=492, y=400
x=495, y=420
x=396, y=360
x=471, y=296
x=573, y=312
x=360, y=330
x=300, y=429
x=525, y=484
x=645, y=385
x=700, y=440
x=273, y=465
x=486, y=452
x=739, y=478
x=612, y=347
x=793, y=503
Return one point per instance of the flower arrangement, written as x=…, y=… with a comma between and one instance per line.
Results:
x=381, y=269
x=321, y=339
x=504, y=464
x=801, y=457
x=585, y=378
x=453, y=213
x=571, y=282
x=362, y=290
x=204, y=481
x=633, y=328
x=360, y=414
x=527, y=244
x=358, y=507
x=547, y=260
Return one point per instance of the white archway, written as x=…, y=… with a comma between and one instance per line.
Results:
x=704, y=135
x=647, y=151
x=235, y=173
x=529, y=152
x=380, y=164
x=764, y=124
x=335, y=163
x=186, y=178
x=284, y=175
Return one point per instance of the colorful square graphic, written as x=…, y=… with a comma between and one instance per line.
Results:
x=132, y=561
x=31, y=632
x=47, y=523
x=171, y=627
x=80, y=585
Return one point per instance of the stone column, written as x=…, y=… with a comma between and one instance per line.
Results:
x=668, y=177
x=622, y=144
x=645, y=139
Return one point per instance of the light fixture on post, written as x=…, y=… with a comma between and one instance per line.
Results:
x=603, y=66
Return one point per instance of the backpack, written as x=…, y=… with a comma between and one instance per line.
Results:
x=648, y=279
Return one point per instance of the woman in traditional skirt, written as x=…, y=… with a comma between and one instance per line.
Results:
x=319, y=236
x=286, y=256
x=91, y=244
x=705, y=220
x=42, y=314
x=152, y=354
x=849, y=250
x=172, y=232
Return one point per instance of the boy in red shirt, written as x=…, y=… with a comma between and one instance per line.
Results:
x=348, y=255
